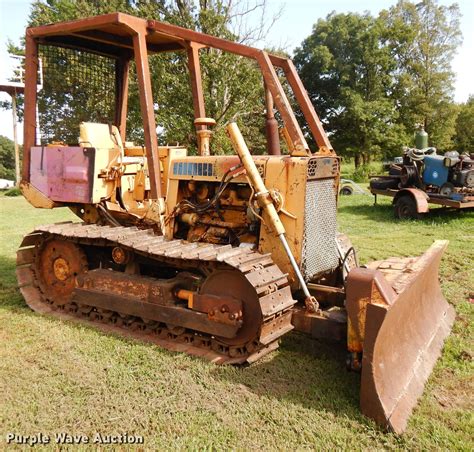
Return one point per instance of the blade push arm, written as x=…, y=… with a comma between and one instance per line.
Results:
x=265, y=201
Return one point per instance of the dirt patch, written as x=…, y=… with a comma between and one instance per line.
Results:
x=455, y=394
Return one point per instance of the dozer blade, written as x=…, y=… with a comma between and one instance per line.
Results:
x=407, y=319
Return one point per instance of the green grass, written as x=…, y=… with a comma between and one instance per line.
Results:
x=12, y=192
x=57, y=376
x=362, y=173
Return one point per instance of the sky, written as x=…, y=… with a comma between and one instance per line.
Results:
x=293, y=27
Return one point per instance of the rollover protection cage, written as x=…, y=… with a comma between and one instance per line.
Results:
x=79, y=86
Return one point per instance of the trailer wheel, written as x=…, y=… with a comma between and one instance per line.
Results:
x=405, y=208
x=346, y=191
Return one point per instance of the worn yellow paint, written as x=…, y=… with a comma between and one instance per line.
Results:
x=35, y=197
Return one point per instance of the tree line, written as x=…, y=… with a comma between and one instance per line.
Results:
x=372, y=79
x=7, y=158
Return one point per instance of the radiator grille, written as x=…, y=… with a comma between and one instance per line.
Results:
x=319, y=240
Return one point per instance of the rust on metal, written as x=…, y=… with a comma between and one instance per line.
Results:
x=196, y=81
x=306, y=105
x=419, y=196
x=330, y=325
x=204, y=134
x=404, y=330
x=273, y=83
x=171, y=315
x=31, y=71
x=59, y=264
x=271, y=125
x=121, y=36
x=137, y=287
x=61, y=269
x=122, y=68
x=196, y=283
x=103, y=297
x=120, y=256
x=218, y=308
x=364, y=287
x=148, y=113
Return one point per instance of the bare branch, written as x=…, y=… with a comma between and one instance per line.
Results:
x=249, y=20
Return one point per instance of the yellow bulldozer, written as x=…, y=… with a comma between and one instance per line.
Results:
x=217, y=256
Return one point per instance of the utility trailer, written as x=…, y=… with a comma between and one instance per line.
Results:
x=414, y=202
x=422, y=176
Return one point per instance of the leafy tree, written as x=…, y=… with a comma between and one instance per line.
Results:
x=232, y=86
x=7, y=104
x=7, y=158
x=346, y=69
x=423, y=38
x=464, y=138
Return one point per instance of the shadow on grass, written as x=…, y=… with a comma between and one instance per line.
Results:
x=10, y=296
x=306, y=372
x=384, y=212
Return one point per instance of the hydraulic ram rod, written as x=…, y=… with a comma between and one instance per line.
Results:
x=265, y=201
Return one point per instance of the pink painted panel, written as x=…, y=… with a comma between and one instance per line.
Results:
x=63, y=173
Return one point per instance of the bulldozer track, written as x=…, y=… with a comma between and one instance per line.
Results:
x=269, y=282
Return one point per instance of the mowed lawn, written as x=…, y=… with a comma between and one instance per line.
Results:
x=58, y=376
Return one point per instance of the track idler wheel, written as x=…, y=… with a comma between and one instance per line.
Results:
x=58, y=264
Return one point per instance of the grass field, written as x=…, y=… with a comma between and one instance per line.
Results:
x=57, y=376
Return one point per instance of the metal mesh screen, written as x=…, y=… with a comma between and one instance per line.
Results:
x=77, y=86
x=319, y=241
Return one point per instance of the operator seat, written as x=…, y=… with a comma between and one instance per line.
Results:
x=107, y=141
x=100, y=136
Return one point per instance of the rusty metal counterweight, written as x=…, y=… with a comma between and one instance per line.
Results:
x=54, y=246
